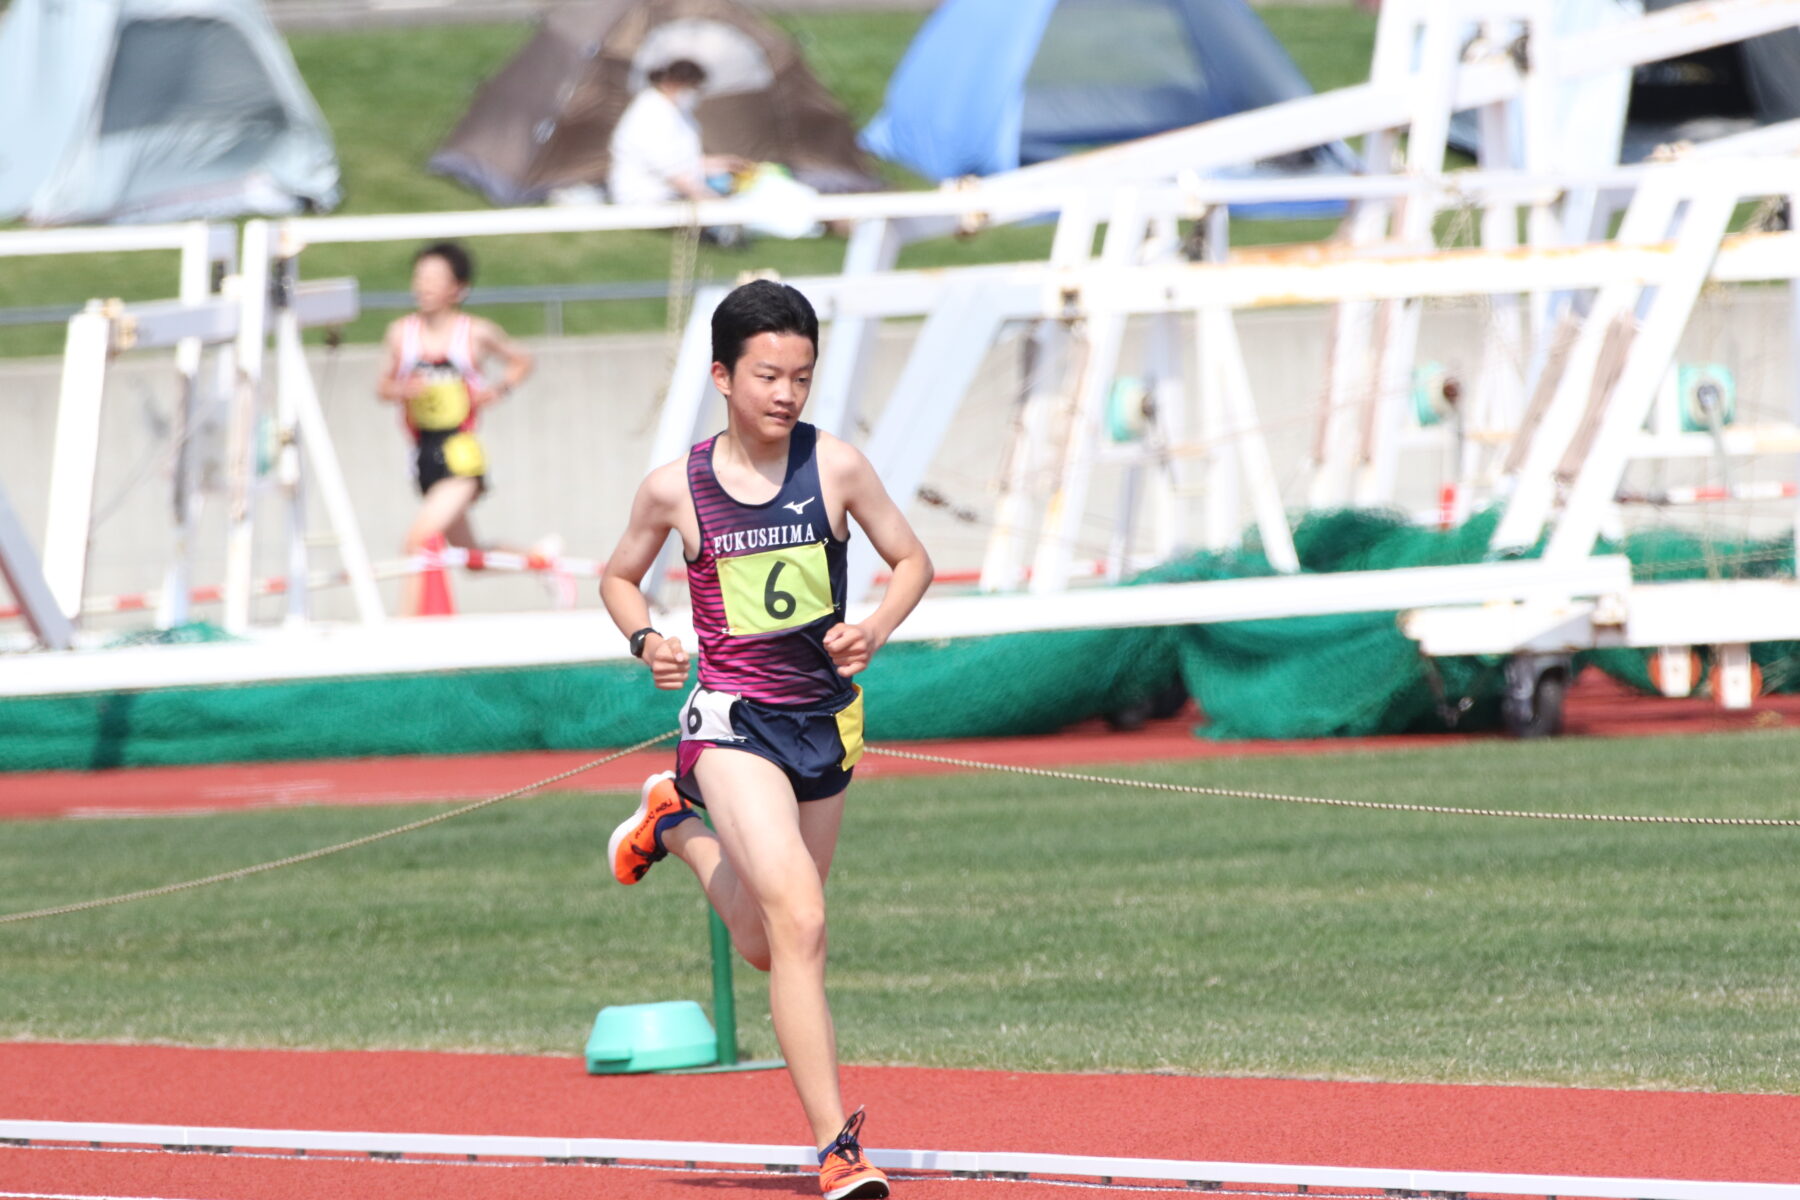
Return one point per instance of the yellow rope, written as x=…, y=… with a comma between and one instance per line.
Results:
x=944, y=760
x=309, y=855
x=1191, y=789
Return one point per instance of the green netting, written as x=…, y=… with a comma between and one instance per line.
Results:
x=1302, y=677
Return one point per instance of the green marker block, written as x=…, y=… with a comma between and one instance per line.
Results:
x=666, y=1035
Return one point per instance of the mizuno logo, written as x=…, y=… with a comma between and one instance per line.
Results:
x=799, y=506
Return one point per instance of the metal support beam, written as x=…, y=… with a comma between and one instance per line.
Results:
x=678, y=424
x=919, y=410
x=74, y=457
x=246, y=410
x=837, y=390
x=24, y=576
x=301, y=401
x=1653, y=350
x=1104, y=333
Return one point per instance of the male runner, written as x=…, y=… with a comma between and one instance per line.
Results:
x=433, y=369
x=774, y=729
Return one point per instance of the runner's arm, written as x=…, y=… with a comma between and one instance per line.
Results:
x=492, y=340
x=620, y=583
x=393, y=386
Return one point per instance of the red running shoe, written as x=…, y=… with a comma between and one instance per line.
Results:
x=844, y=1174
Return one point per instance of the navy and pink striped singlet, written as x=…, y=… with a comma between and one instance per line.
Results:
x=767, y=584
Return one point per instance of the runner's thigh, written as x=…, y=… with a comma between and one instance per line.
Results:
x=757, y=819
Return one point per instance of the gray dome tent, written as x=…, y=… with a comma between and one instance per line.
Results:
x=155, y=110
x=545, y=120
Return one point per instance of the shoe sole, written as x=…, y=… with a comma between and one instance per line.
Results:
x=630, y=823
x=864, y=1189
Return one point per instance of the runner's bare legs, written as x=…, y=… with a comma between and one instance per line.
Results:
x=443, y=510
x=764, y=872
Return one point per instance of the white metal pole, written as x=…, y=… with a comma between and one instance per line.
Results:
x=1003, y=566
x=837, y=391
x=24, y=577
x=1245, y=434
x=1433, y=89
x=1653, y=349
x=1169, y=428
x=690, y=383
x=288, y=443
x=74, y=457
x=196, y=286
x=1125, y=229
x=919, y=410
x=1534, y=491
x=301, y=400
x=1222, y=514
x=246, y=411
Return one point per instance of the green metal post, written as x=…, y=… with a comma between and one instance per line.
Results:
x=724, y=1003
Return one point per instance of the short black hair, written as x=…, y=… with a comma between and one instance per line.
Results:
x=454, y=256
x=684, y=71
x=760, y=306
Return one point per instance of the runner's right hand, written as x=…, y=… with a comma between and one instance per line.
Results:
x=669, y=664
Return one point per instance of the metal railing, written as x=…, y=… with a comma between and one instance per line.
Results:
x=552, y=296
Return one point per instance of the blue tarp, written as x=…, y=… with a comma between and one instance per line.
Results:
x=992, y=85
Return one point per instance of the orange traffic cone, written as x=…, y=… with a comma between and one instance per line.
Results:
x=434, y=596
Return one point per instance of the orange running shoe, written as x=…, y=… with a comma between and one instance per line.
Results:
x=844, y=1174
x=637, y=844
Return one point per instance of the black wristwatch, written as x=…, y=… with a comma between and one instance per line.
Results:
x=638, y=639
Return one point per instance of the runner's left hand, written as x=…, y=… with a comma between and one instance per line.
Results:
x=850, y=647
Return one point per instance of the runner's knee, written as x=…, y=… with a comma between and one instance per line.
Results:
x=799, y=928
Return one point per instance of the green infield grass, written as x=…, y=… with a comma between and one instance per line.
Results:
x=1008, y=922
x=391, y=96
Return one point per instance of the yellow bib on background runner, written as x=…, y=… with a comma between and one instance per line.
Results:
x=443, y=403
x=775, y=589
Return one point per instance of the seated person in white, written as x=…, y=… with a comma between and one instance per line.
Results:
x=656, y=153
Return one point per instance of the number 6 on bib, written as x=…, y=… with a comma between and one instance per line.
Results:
x=775, y=590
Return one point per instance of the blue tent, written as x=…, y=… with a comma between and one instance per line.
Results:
x=991, y=85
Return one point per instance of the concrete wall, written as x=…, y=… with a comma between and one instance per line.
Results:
x=566, y=453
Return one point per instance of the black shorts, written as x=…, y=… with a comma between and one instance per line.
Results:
x=450, y=454
x=816, y=748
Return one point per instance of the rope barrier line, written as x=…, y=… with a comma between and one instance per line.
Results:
x=309, y=855
x=943, y=760
x=1195, y=790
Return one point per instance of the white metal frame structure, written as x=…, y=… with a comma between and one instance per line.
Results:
x=207, y=254
x=1140, y=192
x=106, y=329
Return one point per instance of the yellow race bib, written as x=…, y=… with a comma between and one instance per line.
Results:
x=443, y=403
x=775, y=590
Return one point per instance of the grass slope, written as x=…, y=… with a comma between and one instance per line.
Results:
x=998, y=921
x=391, y=95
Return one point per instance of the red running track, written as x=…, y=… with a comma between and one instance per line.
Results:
x=1597, y=707
x=1671, y=1135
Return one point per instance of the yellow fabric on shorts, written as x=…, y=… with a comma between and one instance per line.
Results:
x=850, y=730
x=463, y=456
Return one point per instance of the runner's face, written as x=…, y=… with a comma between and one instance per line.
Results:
x=434, y=286
x=766, y=388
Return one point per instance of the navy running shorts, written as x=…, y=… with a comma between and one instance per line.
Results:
x=817, y=748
